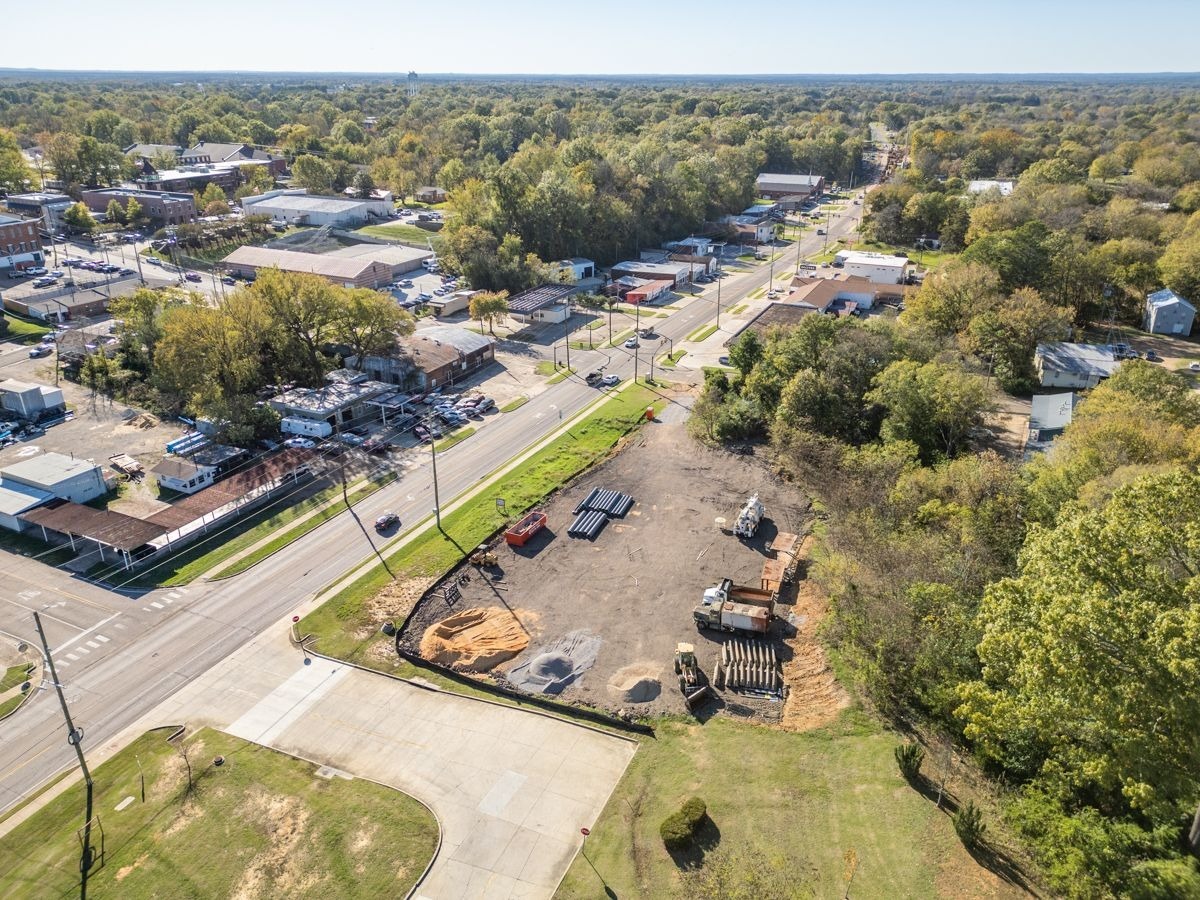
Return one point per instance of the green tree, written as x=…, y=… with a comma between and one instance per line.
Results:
x=950, y=299
x=1180, y=266
x=15, y=175
x=746, y=351
x=933, y=405
x=313, y=173
x=78, y=218
x=114, y=214
x=135, y=215
x=364, y=184
x=258, y=180
x=1087, y=651
x=368, y=323
x=304, y=310
x=488, y=306
x=211, y=194
x=1020, y=256
x=1007, y=335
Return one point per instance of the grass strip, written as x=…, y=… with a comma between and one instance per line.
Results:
x=758, y=293
x=23, y=331
x=360, y=492
x=211, y=551
x=261, y=817
x=671, y=359
x=402, y=232
x=701, y=333
x=456, y=438
x=545, y=367
x=14, y=675
x=740, y=308
x=516, y=403
x=13, y=703
x=620, y=338
x=346, y=626
x=561, y=376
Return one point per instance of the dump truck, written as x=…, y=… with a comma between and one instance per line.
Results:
x=735, y=607
x=747, y=520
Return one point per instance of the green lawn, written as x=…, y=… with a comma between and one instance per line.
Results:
x=262, y=822
x=402, y=232
x=455, y=438
x=804, y=799
x=346, y=626
x=561, y=375
x=516, y=403
x=357, y=492
x=620, y=337
x=14, y=675
x=671, y=359
x=545, y=367
x=210, y=552
x=23, y=331
x=701, y=333
x=740, y=308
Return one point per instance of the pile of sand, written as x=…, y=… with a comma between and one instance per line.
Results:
x=557, y=665
x=636, y=683
x=476, y=639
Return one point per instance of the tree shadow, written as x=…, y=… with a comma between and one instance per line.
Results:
x=706, y=839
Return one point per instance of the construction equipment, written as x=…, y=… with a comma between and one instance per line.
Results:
x=748, y=519
x=735, y=607
x=523, y=530
x=483, y=557
x=691, y=679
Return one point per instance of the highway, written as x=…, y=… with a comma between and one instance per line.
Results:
x=125, y=652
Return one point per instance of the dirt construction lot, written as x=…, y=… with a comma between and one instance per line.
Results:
x=596, y=622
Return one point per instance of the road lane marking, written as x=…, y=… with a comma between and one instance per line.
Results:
x=156, y=605
x=84, y=634
x=102, y=639
x=72, y=656
x=84, y=650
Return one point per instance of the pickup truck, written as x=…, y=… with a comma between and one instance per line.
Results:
x=735, y=607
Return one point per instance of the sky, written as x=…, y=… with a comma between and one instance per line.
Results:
x=618, y=36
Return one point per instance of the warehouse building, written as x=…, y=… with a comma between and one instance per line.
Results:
x=298, y=207
x=65, y=477
x=675, y=272
x=399, y=258
x=790, y=190
x=30, y=401
x=549, y=303
x=880, y=268
x=346, y=271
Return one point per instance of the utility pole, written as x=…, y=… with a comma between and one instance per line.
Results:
x=75, y=739
x=437, y=504
x=637, y=338
x=567, y=336
x=718, y=303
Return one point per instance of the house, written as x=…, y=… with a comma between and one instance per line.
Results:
x=160, y=207
x=983, y=185
x=431, y=194
x=338, y=403
x=399, y=258
x=752, y=229
x=692, y=246
x=1076, y=366
x=432, y=357
x=183, y=475
x=206, y=153
x=30, y=401
x=20, y=243
x=49, y=206
x=1168, y=313
x=549, y=303
x=881, y=268
x=791, y=189
x=298, y=207
x=348, y=271
x=675, y=272
x=65, y=477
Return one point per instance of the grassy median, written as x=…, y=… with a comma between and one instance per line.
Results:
x=260, y=824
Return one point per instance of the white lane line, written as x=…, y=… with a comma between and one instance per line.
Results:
x=170, y=600
x=174, y=595
x=80, y=637
x=102, y=639
x=156, y=605
x=84, y=650
x=147, y=609
x=118, y=625
x=72, y=656
x=61, y=664
x=94, y=645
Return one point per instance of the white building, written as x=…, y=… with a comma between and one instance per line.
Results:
x=79, y=480
x=877, y=267
x=1075, y=366
x=183, y=475
x=29, y=401
x=298, y=207
x=1166, y=313
x=983, y=185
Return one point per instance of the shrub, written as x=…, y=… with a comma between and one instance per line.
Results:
x=679, y=829
x=968, y=822
x=909, y=758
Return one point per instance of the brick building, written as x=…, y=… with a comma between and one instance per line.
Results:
x=20, y=245
x=161, y=207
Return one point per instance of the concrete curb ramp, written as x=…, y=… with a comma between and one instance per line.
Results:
x=510, y=790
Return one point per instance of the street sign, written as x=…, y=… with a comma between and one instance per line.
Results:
x=585, y=831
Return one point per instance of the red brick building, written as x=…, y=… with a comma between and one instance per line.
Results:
x=20, y=243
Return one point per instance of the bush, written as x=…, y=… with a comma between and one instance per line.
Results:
x=909, y=758
x=968, y=822
x=679, y=829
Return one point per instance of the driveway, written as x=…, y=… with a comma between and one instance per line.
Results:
x=510, y=788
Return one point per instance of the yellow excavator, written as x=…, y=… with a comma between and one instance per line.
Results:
x=691, y=679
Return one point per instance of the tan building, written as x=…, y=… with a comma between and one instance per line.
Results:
x=353, y=271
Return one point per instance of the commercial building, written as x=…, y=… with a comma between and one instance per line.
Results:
x=432, y=357
x=451, y=304
x=399, y=258
x=692, y=246
x=882, y=268
x=1074, y=366
x=791, y=189
x=180, y=474
x=549, y=303
x=1168, y=313
x=676, y=273
x=160, y=207
x=577, y=268
x=49, y=206
x=298, y=207
x=338, y=403
x=206, y=153
x=20, y=244
x=227, y=176
x=833, y=294
x=77, y=480
x=431, y=194
x=640, y=290
x=30, y=401
x=346, y=271
x=61, y=307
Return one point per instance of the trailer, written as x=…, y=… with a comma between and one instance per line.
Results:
x=520, y=533
x=735, y=607
x=127, y=465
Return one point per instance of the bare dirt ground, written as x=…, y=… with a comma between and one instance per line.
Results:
x=634, y=587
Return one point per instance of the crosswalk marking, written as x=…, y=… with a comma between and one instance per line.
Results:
x=93, y=644
x=72, y=656
x=102, y=639
x=156, y=605
x=84, y=650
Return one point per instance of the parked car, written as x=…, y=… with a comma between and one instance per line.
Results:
x=1151, y=356
x=57, y=273
x=351, y=440
x=126, y=272
x=192, y=276
x=487, y=403
x=375, y=445
x=387, y=521
x=228, y=279
x=424, y=297
x=40, y=350
x=1194, y=367
x=610, y=380
x=724, y=360
x=300, y=443
x=405, y=283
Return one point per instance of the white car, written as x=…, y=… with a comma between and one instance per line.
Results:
x=631, y=344
x=300, y=443
x=610, y=380
x=1194, y=367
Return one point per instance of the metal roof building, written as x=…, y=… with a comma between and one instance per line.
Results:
x=1168, y=313
x=63, y=476
x=298, y=207
x=1077, y=366
x=347, y=271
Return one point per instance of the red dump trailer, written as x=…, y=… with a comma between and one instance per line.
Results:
x=522, y=531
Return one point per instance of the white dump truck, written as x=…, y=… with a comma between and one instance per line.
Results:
x=735, y=607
